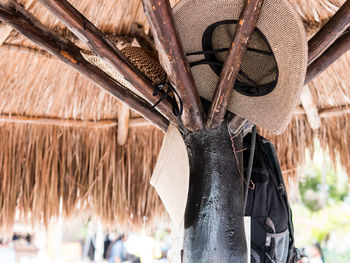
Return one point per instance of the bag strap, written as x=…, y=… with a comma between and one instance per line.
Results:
x=277, y=168
x=250, y=165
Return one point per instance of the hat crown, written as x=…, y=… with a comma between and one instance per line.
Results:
x=284, y=32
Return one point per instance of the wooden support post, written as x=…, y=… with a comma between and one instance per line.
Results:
x=101, y=124
x=335, y=51
x=67, y=52
x=214, y=228
x=310, y=108
x=327, y=113
x=227, y=79
x=105, y=49
x=174, y=61
x=335, y=112
x=123, y=123
x=329, y=32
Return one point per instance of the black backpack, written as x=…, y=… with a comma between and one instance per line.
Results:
x=272, y=233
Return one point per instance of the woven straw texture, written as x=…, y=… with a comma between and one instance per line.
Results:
x=145, y=61
x=286, y=35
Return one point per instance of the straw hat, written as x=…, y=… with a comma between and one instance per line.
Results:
x=273, y=69
x=267, y=90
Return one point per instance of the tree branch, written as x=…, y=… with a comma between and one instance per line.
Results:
x=105, y=49
x=67, y=52
x=335, y=51
x=227, y=79
x=329, y=32
x=174, y=60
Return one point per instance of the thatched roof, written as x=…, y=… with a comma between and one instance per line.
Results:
x=58, y=131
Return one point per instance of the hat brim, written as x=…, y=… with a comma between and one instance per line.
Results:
x=284, y=32
x=171, y=175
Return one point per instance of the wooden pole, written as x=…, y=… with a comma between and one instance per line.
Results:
x=67, y=52
x=123, y=123
x=227, y=79
x=105, y=49
x=328, y=112
x=100, y=124
x=214, y=229
x=329, y=32
x=310, y=108
x=335, y=112
x=335, y=51
x=174, y=61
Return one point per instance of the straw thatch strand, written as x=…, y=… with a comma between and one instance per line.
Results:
x=69, y=53
x=316, y=13
x=84, y=168
x=335, y=51
x=335, y=139
x=336, y=25
x=105, y=49
x=292, y=144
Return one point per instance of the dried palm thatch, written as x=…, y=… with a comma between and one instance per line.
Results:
x=331, y=93
x=83, y=168
x=315, y=13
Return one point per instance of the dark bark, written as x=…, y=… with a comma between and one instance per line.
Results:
x=336, y=25
x=335, y=51
x=228, y=75
x=105, y=49
x=174, y=61
x=214, y=228
x=23, y=22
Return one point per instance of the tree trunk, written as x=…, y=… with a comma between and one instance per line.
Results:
x=214, y=228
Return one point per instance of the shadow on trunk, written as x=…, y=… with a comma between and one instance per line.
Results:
x=214, y=228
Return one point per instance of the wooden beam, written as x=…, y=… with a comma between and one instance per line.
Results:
x=227, y=79
x=329, y=32
x=335, y=112
x=139, y=122
x=327, y=113
x=310, y=108
x=67, y=52
x=123, y=123
x=335, y=51
x=174, y=61
x=57, y=122
x=101, y=46
x=74, y=123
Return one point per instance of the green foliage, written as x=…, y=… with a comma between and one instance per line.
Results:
x=324, y=209
x=322, y=186
x=332, y=257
